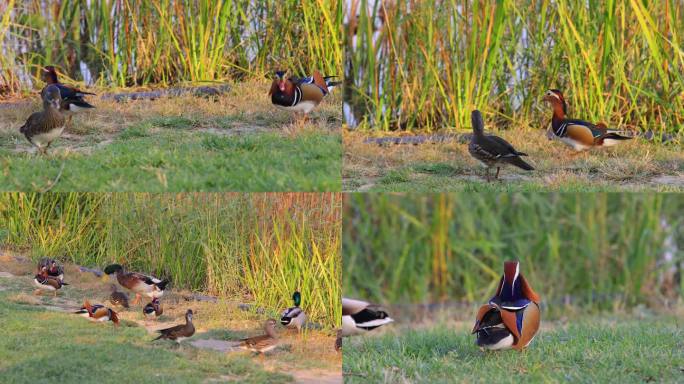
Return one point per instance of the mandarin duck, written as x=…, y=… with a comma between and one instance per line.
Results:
x=492, y=150
x=511, y=317
x=72, y=98
x=262, y=343
x=578, y=134
x=45, y=282
x=118, y=298
x=137, y=282
x=153, y=308
x=42, y=128
x=359, y=317
x=180, y=331
x=98, y=313
x=54, y=269
x=294, y=317
x=300, y=95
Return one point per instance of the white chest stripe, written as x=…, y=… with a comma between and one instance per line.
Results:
x=297, y=96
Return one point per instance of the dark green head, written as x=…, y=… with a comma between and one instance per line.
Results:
x=113, y=268
x=297, y=298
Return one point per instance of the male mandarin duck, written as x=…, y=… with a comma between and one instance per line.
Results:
x=491, y=150
x=262, y=343
x=118, y=298
x=153, y=308
x=294, y=317
x=512, y=316
x=54, y=269
x=179, y=332
x=45, y=282
x=359, y=317
x=72, y=98
x=578, y=134
x=137, y=282
x=300, y=95
x=42, y=128
x=98, y=312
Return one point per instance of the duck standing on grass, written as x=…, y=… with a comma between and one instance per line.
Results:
x=262, y=343
x=98, y=313
x=54, y=269
x=72, y=98
x=294, y=317
x=118, y=298
x=44, y=282
x=492, y=150
x=139, y=283
x=300, y=95
x=577, y=134
x=179, y=332
x=511, y=317
x=153, y=308
x=42, y=128
x=359, y=317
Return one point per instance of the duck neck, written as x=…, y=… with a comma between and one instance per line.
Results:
x=558, y=112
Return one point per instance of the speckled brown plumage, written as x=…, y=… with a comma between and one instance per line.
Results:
x=42, y=128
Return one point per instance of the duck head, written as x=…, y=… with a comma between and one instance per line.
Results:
x=50, y=75
x=188, y=316
x=297, y=298
x=514, y=292
x=52, y=98
x=555, y=98
x=477, y=122
x=269, y=327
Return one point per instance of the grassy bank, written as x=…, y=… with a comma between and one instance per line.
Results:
x=591, y=349
x=426, y=65
x=165, y=42
x=235, y=142
x=261, y=246
x=638, y=165
x=599, y=251
x=44, y=341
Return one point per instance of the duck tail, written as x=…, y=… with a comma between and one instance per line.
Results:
x=162, y=284
x=114, y=317
x=81, y=104
x=614, y=135
x=520, y=163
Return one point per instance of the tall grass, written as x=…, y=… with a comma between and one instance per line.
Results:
x=427, y=64
x=598, y=249
x=125, y=42
x=261, y=246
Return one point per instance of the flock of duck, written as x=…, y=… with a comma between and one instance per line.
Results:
x=60, y=102
x=510, y=319
x=50, y=278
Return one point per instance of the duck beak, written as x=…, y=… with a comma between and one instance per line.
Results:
x=55, y=103
x=281, y=85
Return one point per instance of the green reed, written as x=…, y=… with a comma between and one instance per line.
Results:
x=601, y=250
x=231, y=245
x=431, y=62
x=131, y=42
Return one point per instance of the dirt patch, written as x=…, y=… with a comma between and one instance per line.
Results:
x=317, y=376
x=217, y=345
x=6, y=274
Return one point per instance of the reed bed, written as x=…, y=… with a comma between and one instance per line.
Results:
x=415, y=64
x=602, y=251
x=129, y=42
x=259, y=247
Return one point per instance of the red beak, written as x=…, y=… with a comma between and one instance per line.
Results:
x=281, y=85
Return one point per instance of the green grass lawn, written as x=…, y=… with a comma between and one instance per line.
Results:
x=235, y=142
x=591, y=350
x=184, y=161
